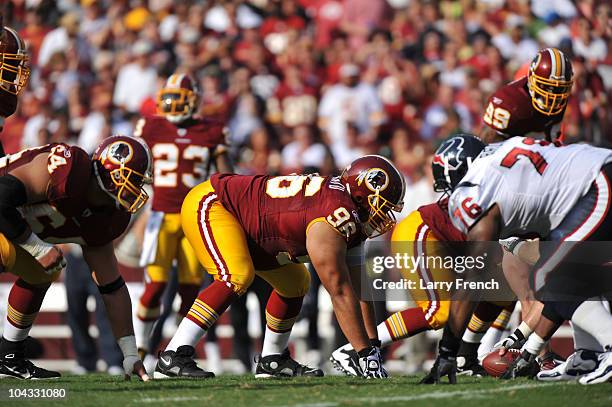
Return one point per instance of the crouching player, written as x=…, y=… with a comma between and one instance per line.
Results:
x=428, y=231
x=241, y=226
x=58, y=194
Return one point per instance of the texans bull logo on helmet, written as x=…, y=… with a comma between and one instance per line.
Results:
x=452, y=160
x=448, y=156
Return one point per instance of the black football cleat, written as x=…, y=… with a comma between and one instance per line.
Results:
x=171, y=364
x=283, y=366
x=11, y=365
x=470, y=367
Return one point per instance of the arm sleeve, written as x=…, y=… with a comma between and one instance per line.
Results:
x=12, y=196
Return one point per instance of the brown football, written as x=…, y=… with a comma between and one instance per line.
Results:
x=496, y=365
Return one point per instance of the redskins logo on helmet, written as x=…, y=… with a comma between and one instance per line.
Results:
x=550, y=81
x=14, y=69
x=378, y=188
x=123, y=166
x=178, y=100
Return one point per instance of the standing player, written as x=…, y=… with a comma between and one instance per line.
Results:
x=184, y=148
x=533, y=104
x=58, y=194
x=246, y=225
x=14, y=72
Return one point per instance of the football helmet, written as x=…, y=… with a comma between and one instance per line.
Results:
x=123, y=166
x=378, y=188
x=550, y=81
x=452, y=160
x=179, y=99
x=14, y=68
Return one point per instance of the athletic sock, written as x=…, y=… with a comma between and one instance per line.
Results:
x=211, y=303
x=592, y=317
x=148, y=311
x=24, y=302
x=401, y=325
x=281, y=313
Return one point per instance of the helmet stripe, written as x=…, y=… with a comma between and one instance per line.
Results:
x=557, y=62
x=553, y=63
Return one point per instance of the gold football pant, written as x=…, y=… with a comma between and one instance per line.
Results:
x=220, y=244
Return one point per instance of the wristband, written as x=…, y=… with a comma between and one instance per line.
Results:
x=524, y=329
x=127, y=344
x=35, y=246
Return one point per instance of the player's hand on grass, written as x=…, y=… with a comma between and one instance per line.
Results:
x=524, y=366
x=443, y=366
x=132, y=365
x=371, y=364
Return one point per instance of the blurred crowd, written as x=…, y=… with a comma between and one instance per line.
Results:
x=303, y=84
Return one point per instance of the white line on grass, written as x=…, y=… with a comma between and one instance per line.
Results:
x=432, y=395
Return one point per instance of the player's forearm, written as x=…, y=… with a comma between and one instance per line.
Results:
x=533, y=313
x=348, y=314
x=369, y=318
x=119, y=312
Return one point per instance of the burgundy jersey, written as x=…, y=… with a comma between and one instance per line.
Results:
x=275, y=213
x=65, y=216
x=435, y=216
x=182, y=156
x=509, y=112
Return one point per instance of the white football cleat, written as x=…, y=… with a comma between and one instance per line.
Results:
x=577, y=364
x=603, y=373
x=345, y=360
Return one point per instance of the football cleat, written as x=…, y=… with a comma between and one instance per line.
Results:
x=283, y=366
x=549, y=361
x=577, y=364
x=345, y=360
x=470, y=367
x=21, y=368
x=603, y=372
x=179, y=364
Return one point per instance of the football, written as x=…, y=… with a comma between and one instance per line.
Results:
x=496, y=365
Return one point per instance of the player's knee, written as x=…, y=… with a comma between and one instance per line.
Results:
x=241, y=283
x=439, y=318
x=7, y=254
x=302, y=284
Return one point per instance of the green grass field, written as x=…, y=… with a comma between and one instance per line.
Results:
x=234, y=391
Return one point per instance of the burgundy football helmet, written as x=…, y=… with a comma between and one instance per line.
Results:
x=14, y=69
x=550, y=81
x=179, y=99
x=378, y=189
x=123, y=166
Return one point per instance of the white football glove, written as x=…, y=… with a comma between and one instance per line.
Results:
x=371, y=364
x=511, y=244
x=516, y=340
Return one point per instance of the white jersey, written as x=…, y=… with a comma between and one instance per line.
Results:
x=534, y=183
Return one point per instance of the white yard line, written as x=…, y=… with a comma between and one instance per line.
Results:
x=431, y=395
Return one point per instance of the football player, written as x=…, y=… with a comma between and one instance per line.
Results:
x=184, y=148
x=429, y=230
x=494, y=201
x=58, y=194
x=533, y=104
x=241, y=226
x=14, y=72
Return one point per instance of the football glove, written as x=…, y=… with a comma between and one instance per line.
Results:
x=443, y=366
x=516, y=340
x=525, y=365
x=511, y=244
x=371, y=364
